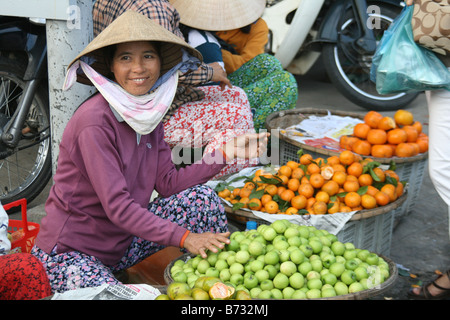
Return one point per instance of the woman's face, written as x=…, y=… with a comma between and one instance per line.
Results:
x=136, y=66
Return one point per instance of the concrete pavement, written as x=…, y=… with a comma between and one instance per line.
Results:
x=420, y=241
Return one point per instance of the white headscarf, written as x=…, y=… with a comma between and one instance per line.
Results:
x=142, y=113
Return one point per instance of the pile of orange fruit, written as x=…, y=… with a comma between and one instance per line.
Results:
x=324, y=185
x=385, y=137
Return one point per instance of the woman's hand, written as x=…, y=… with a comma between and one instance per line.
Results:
x=219, y=75
x=199, y=243
x=246, y=146
x=409, y=2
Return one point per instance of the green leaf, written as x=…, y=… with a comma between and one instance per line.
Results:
x=374, y=175
x=362, y=190
x=238, y=205
x=256, y=194
x=302, y=212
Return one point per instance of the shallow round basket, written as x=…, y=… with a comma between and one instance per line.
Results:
x=361, y=295
x=285, y=119
x=245, y=215
x=409, y=169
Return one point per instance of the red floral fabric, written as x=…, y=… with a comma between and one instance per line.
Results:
x=22, y=277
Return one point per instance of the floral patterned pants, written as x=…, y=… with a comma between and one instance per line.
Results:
x=219, y=117
x=268, y=86
x=197, y=209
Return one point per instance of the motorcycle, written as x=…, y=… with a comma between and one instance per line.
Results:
x=25, y=143
x=344, y=33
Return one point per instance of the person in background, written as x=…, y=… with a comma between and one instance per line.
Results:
x=200, y=117
x=113, y=156
x=243, y=34
x=22, y=275
x=439, y=169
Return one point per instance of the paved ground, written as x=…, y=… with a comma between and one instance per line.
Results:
x=420, y=243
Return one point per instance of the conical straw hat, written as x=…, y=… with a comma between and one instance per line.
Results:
x=218, y=15
x=134, y=26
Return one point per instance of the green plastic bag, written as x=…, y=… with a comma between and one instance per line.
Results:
x=400, y=65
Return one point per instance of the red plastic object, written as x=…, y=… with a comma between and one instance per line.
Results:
x=23, y=233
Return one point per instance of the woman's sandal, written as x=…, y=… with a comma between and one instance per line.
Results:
x=424, y=294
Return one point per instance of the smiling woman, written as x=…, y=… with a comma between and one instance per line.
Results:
x=136, y=66
x=113, y=156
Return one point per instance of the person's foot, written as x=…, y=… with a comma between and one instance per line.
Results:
x=438, y=289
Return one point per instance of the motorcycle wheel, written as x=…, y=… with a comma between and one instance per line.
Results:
x=349, y=71
x=26, y=172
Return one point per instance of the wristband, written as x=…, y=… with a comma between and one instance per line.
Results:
x=184, y=238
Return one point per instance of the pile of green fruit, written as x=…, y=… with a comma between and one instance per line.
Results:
x=284, y=260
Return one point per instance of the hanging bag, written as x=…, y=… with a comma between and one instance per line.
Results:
x=401, y=65
x=431, y=25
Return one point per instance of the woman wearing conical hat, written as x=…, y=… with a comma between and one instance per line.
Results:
x=243, y=34
x=113, y=156
x=206, y=109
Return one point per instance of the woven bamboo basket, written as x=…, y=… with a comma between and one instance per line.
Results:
x=408, y=169
x=361, y=295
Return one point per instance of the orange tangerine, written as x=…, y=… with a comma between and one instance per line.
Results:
x=310, y=202
x=365, y=180
x=382, y=151
x=299, y=202
x=360, y=130
x=265, y=198
x=351, y=186
x=333, y=160
x=291, y=210
x=297, y=173
x=377, y=136
x=255, y=204
x=404, y=150
x=396, y=136
x=331, y=187
x=347, y=157
x=386, y=123
x=392, y=174
x=339, y=177
x=293, y=184
x=312, y=168
x=271, y=189
x=245, y=201
x=306, y=189
x=271, y=207
x=362, y=147
x=280, y=190
x=322, y=196
x=403, y=117
x=285, y=171
x=418, y=126
x=346, y=142
x=390, y=190
x=284, y=179
x=224, y=193
x=245, y=192
x=372, y=118
x=338, y=167
x=355, y=169
x=372, y=190
x=368, y=201
x=320, y=207
x=352, y=199
x=292, y=164
x=380, y=174
x=306, y=159
x=382, y=198
x=316, y=180
x=335, y=206
x=287, y=195
x=411, y=133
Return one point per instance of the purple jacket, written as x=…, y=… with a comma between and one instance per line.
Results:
x=103, y=184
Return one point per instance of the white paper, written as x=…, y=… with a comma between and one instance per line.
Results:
x=110, y=292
